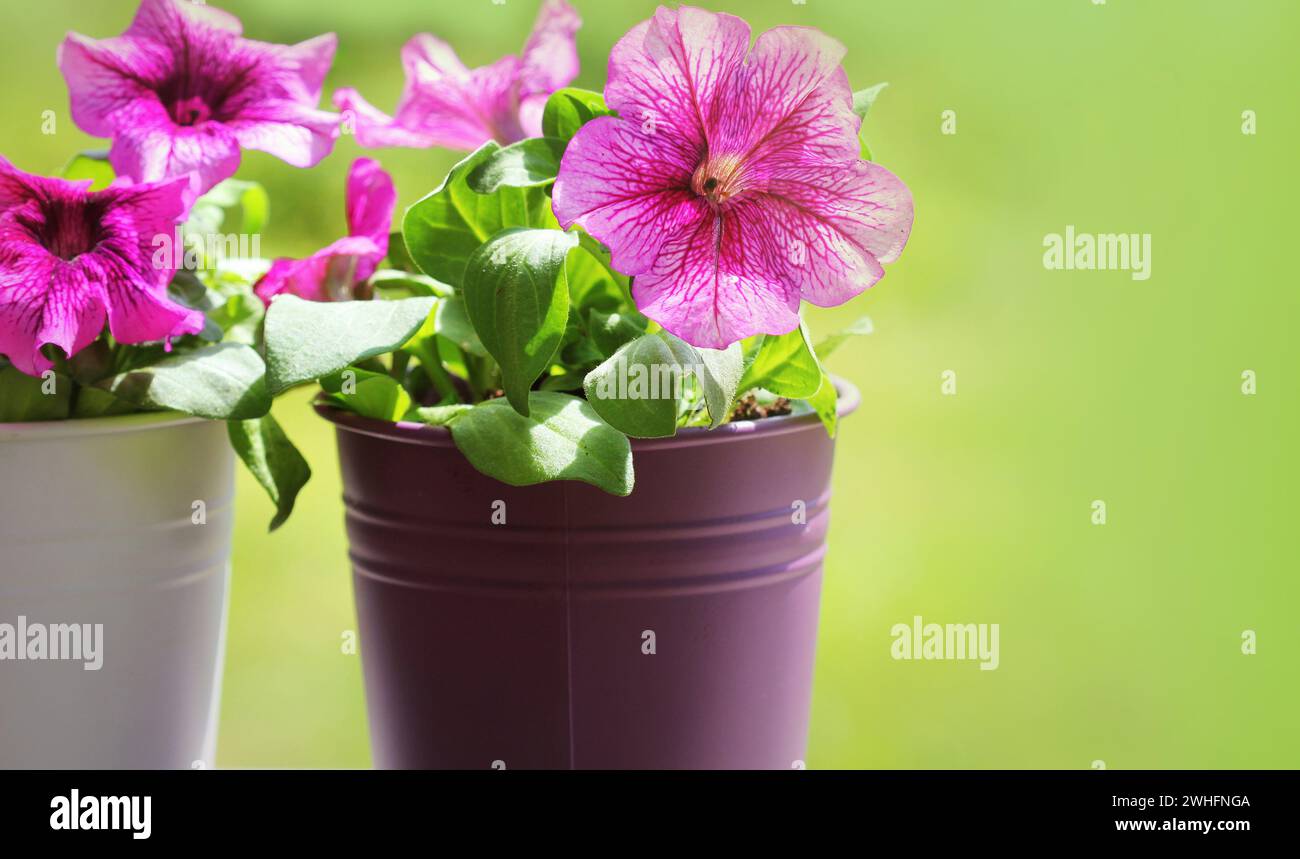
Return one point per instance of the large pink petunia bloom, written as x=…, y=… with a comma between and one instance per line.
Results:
x=71, y=258
x=333, y=272
x=181, y=92
x=729, y=185
x=446, y=104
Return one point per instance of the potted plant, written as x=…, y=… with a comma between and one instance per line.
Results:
x=585, y=436
x=130, y=376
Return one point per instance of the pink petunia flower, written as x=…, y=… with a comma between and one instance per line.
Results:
x=181, y=92
x=70, y=258
x=729, y=185
x=446, y=104
x=333, y=272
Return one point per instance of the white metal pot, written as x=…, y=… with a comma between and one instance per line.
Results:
x=114, y=547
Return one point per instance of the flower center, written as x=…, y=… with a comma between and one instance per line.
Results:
x=190, y=111
x=69, y=229
x=718, y=178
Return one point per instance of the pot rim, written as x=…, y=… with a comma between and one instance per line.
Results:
x=81, y=427
x=417, y=433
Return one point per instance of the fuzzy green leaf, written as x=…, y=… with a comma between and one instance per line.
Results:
x=442, y=230
x=273, y=460
x=562, y=438
x=785, y=364
x=527, y=164
x=369, y=394
x=222, y=382
x=857, y=328
x=518, y=301
x=308, y=340
x=569, y=109
x=26, y=398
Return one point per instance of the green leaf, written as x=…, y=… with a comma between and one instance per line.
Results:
x=239, y=318
x=442, y=230
x=369, y=394
x=440, y=416
x=825, y=403
x=786, y=365
x=92, y=165
x=562, y=439
x=569, y=109
x=392, y=284
x=273, y=461
x=570, y=380
x=863, y=99
x=97, y=403
x=718, y=371
x=593, y=285
x=26, y=398
x=451, y=320
x=610, y=331
x=225, y=295
x=398, y=256
x=636, y=389
x=250, y=197
x=859, y=327
x=308, y=340
x=518, y=301
x=222, y=382
x=526, y=164
x=720, y=378
x=92, y=364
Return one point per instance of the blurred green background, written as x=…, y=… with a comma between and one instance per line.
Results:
x=1119, y=642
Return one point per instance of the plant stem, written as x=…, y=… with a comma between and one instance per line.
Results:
x=400, y=361
x=480, y=372
x=439, y=376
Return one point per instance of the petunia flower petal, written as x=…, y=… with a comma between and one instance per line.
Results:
x=466, y=110
x=333, y=272
x=863, y=202
x=135, y=285
x=327, y=275
x=177, y=22
x=729, y=185
x=44, y=301
x=666, y=74
x=152, y=149
x=444, y=103
x=296, y=134
x=310, y=61
x=107, y=76
x=71, y=259
x=182, y=90
x=426, y=56
x=371, y=200
x=375, y=129
x=549, y=61
x=714, y=282
x=792, y=102
x=619, y=186
x=550, y=58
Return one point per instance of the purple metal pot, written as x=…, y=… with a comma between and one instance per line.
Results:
x=525, y=644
